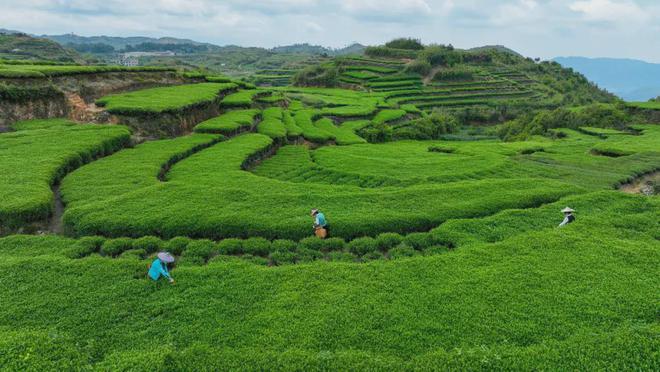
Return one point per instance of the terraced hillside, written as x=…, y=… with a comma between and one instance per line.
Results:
x=443, y=250
x=481, y=85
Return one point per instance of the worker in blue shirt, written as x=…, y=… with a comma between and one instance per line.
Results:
x=320, y=223
x=158, y=267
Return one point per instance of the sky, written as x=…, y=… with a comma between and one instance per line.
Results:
x=534, y=28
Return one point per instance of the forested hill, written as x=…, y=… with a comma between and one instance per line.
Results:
x=630, y=79
x=118, y=43
x=21, y=46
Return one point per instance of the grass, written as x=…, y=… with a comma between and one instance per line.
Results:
x=39, y=154
x=167, y=99
x=645, y=105
x=228, y=123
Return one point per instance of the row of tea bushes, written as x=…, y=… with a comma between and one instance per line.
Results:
x=263, y=251
x=38, y=154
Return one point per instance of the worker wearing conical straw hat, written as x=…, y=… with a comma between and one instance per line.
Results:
x=568, y=216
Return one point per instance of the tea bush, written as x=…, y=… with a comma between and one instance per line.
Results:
x=256, y=246
x=283, y=245
x=177, y=245
x=386, y=241
x=228, y=123
x=230, y=246
x=164, y=99
x=115, y=247
x=201, y=249
x=148, y=244
x=363, y=245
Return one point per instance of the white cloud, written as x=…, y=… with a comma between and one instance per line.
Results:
x=543, y=28
x=610, y=11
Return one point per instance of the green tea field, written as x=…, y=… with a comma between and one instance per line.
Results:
x=443, y=192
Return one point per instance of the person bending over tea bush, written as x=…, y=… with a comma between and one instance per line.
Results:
x=320, y=224
x=568, y=216
x=158, y=267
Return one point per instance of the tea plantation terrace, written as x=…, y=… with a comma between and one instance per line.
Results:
x=444, y=251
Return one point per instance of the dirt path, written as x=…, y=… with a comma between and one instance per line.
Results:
x=55, y=224
x=642, y=185
x=427, y=79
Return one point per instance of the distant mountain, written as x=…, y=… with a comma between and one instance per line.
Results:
x=630, y=79
x=118, y=42
x=22, y=46
x=319, y=50
x=9, y=32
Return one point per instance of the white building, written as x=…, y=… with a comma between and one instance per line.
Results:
x=126, y=60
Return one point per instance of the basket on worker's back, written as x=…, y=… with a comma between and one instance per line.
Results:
x=321, y=233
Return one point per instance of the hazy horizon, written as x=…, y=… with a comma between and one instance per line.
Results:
x=534, y=28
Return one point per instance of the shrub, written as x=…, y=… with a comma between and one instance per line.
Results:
x=454, y=74
x=436, y=249
x=443, y=149
x=385, y=241
x=364, y=245
x=312, y=243
x=317, y=76
x=333, y=244
x=419, y=67
x=86, y=246
x=308, y=255
x=149, y=244
x=230, y=246
x=405, y=43
x=341, y=257
x=283, y=257
x=418, y=241
x=383, y=51
x=177, y=245
x=402, y=251
x=373, y=256
x=134, y=253
x=203, y=249
x=438, y=55
x=283, y=245
x=256, y=260
x=256, y=246
x=114, y=247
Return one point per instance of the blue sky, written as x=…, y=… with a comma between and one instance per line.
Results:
x=535, y=28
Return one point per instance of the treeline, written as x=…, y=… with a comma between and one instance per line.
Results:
x=429, y=127
x=542, y=122
x=157, y=47
x=102, y=48
x=94, y=48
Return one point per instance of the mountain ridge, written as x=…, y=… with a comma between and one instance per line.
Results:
x=630, y=79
